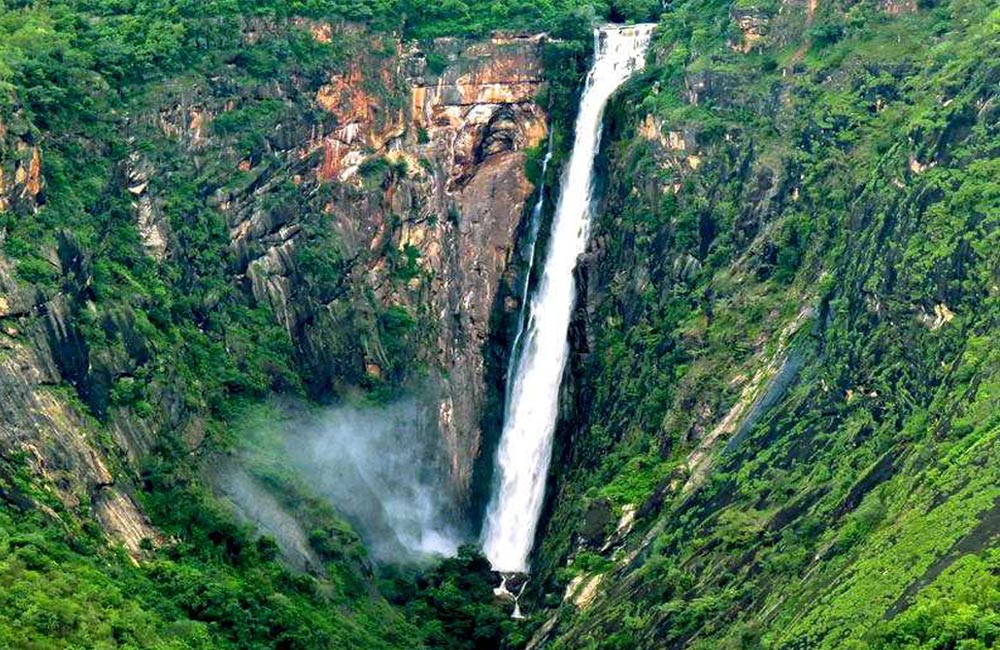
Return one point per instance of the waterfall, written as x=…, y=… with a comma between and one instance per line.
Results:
x=533, y=228
x=525, y=448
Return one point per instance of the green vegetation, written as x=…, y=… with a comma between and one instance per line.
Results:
x=452, y=603
x=193, y=106
x=219, y=586
x=811, y=249
x=480, y=17
x=800, y=231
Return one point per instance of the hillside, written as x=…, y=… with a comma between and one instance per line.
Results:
x=207, y=205
x=787, y=370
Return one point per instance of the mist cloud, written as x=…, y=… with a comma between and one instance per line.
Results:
x=382, y=468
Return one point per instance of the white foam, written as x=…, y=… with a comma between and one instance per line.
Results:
x=526, y=442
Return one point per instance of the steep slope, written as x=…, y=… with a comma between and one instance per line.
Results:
x=783, y=411
x=200, y=208
x=369, y=206
x=779, y=427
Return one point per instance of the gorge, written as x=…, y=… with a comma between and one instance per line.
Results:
x=321, y=319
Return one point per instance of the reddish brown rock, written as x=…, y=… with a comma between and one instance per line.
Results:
x=29, y=174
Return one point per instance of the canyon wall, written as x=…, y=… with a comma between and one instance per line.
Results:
x=371, y=206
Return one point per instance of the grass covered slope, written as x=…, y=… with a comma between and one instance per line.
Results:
x=791, y=369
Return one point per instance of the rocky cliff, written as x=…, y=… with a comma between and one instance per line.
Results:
x=370, y=205
x=426, y=190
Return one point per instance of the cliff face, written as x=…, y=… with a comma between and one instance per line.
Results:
x=449, y=206
x=398, y=172
x=45, y=431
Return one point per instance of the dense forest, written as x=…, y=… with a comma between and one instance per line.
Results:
x=781, y=427
x=815, y=295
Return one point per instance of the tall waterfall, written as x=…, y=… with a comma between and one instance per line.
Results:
x=532, y=400
x=533, y=227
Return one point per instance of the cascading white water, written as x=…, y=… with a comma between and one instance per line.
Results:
x=532, y=400
x=533, y=228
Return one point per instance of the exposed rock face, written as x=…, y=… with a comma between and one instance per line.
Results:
x=753, y=25
x=896, y=7
x=459, y=193
x=42, y=428
x=416, y=154
x=479, y=118
x=21, y=180
x=154, y=229
x=400, y=154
